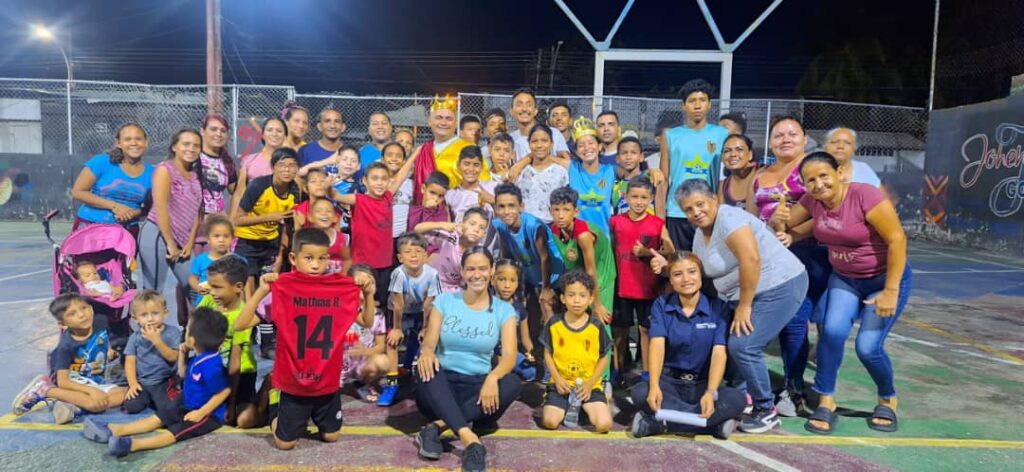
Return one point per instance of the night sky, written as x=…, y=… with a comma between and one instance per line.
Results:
x=405, y=46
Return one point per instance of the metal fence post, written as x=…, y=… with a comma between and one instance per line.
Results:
x=234, y=120
x=67, y=86
x=767, y=129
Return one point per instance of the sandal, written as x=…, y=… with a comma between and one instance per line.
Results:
x=822, y=414
x=883, y=412
x=367, y=394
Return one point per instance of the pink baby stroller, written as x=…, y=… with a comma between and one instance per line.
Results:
x=112, y=249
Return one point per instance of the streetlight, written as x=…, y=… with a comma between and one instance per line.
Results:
x=45, y=34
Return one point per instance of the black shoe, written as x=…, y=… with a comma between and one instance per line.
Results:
x=474, y=458
x=760, y=420
x=725, y=429
x=429, y=442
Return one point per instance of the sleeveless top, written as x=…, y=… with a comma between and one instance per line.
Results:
x=727, y=196
x=767, y=198
x=183, y=204
x=604, y=257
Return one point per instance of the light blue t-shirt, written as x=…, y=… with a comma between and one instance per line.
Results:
x=468, y=337
x=693, y=154
x=199, y=266
x=113, y=184
x=864, y=174
x=521, y=246
x=595, y=203
x=415, y=290
x=368, y=154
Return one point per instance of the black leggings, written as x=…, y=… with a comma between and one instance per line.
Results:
x=681, y=395
x=452, y=397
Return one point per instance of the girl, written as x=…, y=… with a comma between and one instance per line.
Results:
x=542, y=175
x=593, y=180
x=318, y=186
x=113, y=185
x=365, y=360
x=220, y=233
x=453, y=240
x=257, y=165
x=406, y=139
x=738, y=159
x=166, y=240
x=506, y=287
x=324, y=217
x=218, y=167
x=393, y=155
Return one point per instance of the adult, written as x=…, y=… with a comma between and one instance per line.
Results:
x=689, y=151
x=257, y=164
x=560, y=119
x=331, y=125
x=442, y=152
x=841, y=143
x=457, y=386
x=739, y=164
x=380, y=131
x=762, y=281
x=776, y=188
x=113, y=185
x=870, y=281
x=167, y=238
x=218, y=166
x=469, y=129
x=406, y=139
x=687, y=357
x=297, y=119
x=735, y=123
x=592, y=179
x=524, y=111
x=609, y=132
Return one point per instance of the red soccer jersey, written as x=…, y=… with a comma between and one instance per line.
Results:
x=311, y=313
x=371, y=231
x=636, y=279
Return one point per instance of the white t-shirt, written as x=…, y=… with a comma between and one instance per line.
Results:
x=400, y=209
x=523, y=144
x=537, y=187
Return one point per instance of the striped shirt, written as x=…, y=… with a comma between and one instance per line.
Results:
x=183, y=204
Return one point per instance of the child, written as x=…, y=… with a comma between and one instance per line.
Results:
x=393, y=156
x=413, y=287
x=365, y=356
x=451, y=241
x=432, y=208
x=324, y=217
x=629, y=159
x=317, y=185
x=219, y=236
x=151, y=356
x=542, y=174
x=529, y=241
x=199, y=410
x=226, y=277
x=471, y=192
x=584, y=246
x=95, y=286
x=576, y=349
x=501, y=150
x=506, y=287
x=77, y=366
x=346, y=158
x=307, y=372
x=636, y=234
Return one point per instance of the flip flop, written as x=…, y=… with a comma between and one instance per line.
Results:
x=822, y=414
x=883, y=412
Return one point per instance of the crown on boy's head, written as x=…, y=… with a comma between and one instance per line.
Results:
x=449, y=103
x=583, y=126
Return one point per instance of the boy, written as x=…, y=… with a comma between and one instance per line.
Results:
x=226, y=277
x=433, y=208
x=471, y=192
x=324, y=217
x=200, y=408
x=77, y=366
x=636, y=234
x=151, y=356
x=501, y=152
x=413, y=287
x=95, y=286
x=313, y=312
x=529, y=241
x=584, y=246
x=629, y=158
x=469, y=129
x=576, y=349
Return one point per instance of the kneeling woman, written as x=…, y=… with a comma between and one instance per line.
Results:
x=688, y=352
x=870, y=282
x=457, y=385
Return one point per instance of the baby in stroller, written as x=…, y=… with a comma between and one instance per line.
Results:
x=95, y=287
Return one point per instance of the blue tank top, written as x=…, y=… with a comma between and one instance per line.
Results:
x=522, y=247
x=595, y=191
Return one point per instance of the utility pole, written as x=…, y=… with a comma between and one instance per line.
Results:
x=214, y=69
x=554, y=65
x=935, y=49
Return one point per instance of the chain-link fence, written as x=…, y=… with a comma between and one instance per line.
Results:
x=405, y=112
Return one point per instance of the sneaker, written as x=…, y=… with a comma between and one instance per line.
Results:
x=64, y=412
x=760, y=420
x=32, y=394
x=96, y=430
x=646, y=425
x=789, y=403
x=119, y=446
x=724, y=429
x=429, y=442
x=474, y=458
x=750, y=405
x=389, y=396
x=368, y=394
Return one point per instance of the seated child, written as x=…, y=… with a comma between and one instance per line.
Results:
x=365, y=359
x=220, y=233
x=151, y=356
x=199, y=410
x=576, y=347
x=95, y=286
x=77, y=366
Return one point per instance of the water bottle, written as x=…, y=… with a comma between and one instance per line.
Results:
x=572, y=415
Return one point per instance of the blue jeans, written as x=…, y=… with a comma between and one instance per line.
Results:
x=793, y=342
x=771, y=311
x=845, y=305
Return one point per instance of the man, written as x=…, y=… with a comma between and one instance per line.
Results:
x=331, y=125
x=469, y=129
x=690, y=151
x=379, y=130
x=442, y=152
x=609, y=133
x=560, y=118
x=524, y=111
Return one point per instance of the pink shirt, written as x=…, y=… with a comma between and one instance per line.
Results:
x=448, y=261
x=255, y=166
x=184, y=203
x=855, y=249
x=460, y=199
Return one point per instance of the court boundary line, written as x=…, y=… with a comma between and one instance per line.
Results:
x=27, y=274
x=754, y=456
x=965, y=340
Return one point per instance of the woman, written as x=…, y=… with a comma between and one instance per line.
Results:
x=687, y=356
x=169, y=234
x=218, y=167
x=841, y=143
x=594, y=181
x=297, y=119
x=406, y=139
x=762, y=281
x=870, y=282
x=778, y=187
x=457, y=386
x=542, y=175
x=256, y=165
x=738, y=159
x=113, y=185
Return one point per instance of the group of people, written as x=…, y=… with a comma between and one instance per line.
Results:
x=488, y=256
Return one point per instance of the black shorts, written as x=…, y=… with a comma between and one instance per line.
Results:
x=627, y=308
x=162, y=396
x=246, y=390
x=174, y=420
x=257, y=253
x=382, y=278
x=557, y=400
x=681, y=232
x=294, y=412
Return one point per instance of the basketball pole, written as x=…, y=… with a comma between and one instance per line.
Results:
x=935, y=48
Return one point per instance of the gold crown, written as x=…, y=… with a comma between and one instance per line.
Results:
x=583, y=126
x=449, y=103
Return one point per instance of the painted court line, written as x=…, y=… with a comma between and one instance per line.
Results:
x=30, y=300
x=27, y=274
x=965, y=340
x=966, y=258
x=755, y=456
